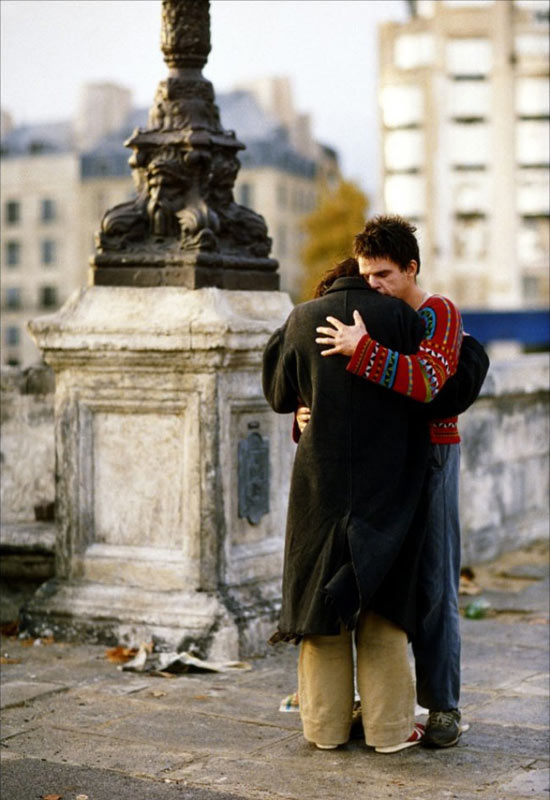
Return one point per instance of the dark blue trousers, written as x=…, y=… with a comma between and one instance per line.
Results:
x=436, y=646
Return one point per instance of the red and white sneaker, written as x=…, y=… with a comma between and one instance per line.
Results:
x=414, y=738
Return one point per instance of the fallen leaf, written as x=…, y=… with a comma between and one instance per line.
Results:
x=120, y=655
x=51, y=797
x=7, y=660
x=81, y=797
x=158, y=694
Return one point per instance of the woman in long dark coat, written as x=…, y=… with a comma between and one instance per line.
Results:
x=355, y=520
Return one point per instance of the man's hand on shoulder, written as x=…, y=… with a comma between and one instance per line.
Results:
x=342, y=338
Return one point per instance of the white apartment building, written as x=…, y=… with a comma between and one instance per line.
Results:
x=464, y=95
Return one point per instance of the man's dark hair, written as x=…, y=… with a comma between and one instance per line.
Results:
x=390, y=237
x=344, y=269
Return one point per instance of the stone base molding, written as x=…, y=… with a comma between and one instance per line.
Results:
x=171, y=471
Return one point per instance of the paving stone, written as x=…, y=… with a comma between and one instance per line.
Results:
x=195, y=732
x=27, y=779
x=523, y=710
x=528, y=783
x=16, y=693
x=487, y=738
x=132, y=755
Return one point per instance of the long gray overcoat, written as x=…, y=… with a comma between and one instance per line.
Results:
x=356, y=513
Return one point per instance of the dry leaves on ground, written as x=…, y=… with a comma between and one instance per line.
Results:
x=8, y=660
x=51, y=797
x=120, y=655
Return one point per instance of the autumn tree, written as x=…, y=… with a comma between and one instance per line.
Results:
x=330, y=229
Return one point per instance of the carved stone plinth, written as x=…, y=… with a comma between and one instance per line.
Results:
x=172, y=472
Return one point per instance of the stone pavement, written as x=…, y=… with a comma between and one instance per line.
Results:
x=73, y=724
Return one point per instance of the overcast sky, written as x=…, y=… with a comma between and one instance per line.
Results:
x=49, y=48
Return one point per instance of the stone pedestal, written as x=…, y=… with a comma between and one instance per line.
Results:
x=172, y=471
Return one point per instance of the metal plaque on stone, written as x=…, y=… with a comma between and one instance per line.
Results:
x=253, y=461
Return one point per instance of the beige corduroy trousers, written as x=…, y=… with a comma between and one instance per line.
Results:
x=384, y=682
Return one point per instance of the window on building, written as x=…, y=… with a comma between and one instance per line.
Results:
x=47, y=210
x=48, y=296
x=468, y=57
x=468, y=100
x=414, y=50
x=48, y=252
x=531, y=46
x=406, y=195
x=12, y=335
x=402, y=106
x=282, y=195
x=13, y=254
x=532, y=97
x=533, y=143
x=13, y=212
x=404, y=150
x=246, y=195
x=533, y=191
x=533, y=241
x=471, y=192
x=471, y=238
x=13, y=297
x=469, y=144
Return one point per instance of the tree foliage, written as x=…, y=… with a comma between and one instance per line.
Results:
x=330, y=229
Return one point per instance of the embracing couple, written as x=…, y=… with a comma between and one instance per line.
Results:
x=376, y=371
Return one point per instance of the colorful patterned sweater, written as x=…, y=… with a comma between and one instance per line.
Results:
x=419, y=376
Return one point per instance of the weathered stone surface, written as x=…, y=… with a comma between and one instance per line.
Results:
x=16, y=693
x=28, y=455
x=504, y=481
x=154, y=392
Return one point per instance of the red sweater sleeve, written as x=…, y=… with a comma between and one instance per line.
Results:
x=419, y=376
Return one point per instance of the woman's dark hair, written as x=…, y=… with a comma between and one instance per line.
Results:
x=344, y=269
x=390, y=237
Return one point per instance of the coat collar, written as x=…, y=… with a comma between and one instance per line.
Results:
x=350, y=282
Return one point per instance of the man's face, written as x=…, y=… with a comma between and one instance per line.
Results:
x=386, y=277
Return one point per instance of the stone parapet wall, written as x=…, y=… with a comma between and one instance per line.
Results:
x=27, y=444
x=504, y=486
x=504, y=475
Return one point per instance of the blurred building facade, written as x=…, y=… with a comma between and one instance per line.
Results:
x=464, y=94
x=58, y=179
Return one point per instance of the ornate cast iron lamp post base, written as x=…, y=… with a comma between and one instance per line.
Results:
x=184, y=227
